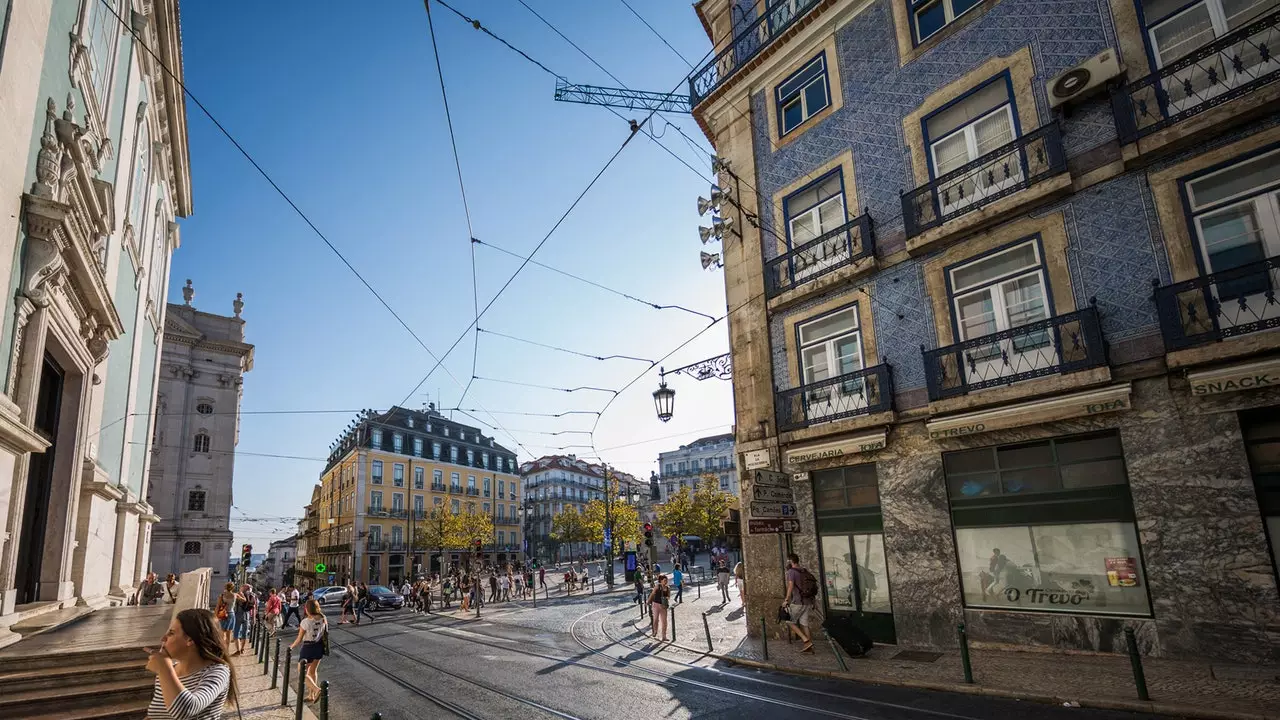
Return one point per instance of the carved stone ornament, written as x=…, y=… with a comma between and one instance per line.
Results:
x=49, y=158
x=188, y=293
x=100, y=344
x=238, y=303
x=42, y=264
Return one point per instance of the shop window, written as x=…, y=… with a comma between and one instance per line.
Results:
x=1047, y=526
x=1235, y=218
x=855, y=573
x=851, y=487
x=967, y=129
x=1000, y=292
x=930, y=16
x=803, y=95
x=195, y=501
x=1262, y=443
x=397, y=474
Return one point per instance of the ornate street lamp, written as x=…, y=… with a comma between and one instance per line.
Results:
x=664, y=398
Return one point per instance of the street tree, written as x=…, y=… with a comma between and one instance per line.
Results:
x=437, y=531
x=474, y=529
x=710, y=504
x=623, y=519
x=569, y=527
x=676, y=516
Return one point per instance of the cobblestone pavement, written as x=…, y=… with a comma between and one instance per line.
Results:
x=1198, y=689
x=257, y=698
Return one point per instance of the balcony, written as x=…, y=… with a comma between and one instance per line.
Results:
x=1056, y=345
x=1222, y=305
x=746, y=45
x=473, y=492
x=396, y=512
x=830, y=251
x=1008, y=169
x=1228, y=68
x=338, y=549
x=394, y=546
x=377, y=510
x=375, y=545
x=455, y=489
x=863, y=392
x=437, y=487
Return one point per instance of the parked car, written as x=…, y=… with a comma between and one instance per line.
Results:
x=383, y=597
x=329, y=595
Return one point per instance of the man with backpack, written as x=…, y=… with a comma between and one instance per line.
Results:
x=801, y=600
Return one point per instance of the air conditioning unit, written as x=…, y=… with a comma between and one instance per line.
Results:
x=1084, y=79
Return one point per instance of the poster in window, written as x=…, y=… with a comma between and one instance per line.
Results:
x=1122, y=572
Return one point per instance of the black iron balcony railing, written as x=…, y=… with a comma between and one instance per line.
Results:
x=335, y=549
x=455, y=489
x=419, y=514
x=437, y=487
x=397, y=512
x=863, y=392
x=1012, y=167
x=473, y=491
x=1056, y=345
x=747, y=44
x=377, y=510
x=1224, y=304
x=396, y=546
x=1230, y=67
x=826, y=253
x=375, y=545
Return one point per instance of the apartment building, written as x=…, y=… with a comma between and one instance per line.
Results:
x=688, y=464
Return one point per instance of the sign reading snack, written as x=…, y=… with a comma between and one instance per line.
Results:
x=1235, y=378
x=1092, y=402
x=839, y=448
x=754, y=459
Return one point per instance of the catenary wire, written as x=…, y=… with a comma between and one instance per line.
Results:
x=658, y=34
x=564, y=350
x=580, y=388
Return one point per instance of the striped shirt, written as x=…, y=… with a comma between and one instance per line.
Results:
x=203, y=698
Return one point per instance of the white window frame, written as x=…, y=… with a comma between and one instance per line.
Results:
x=837, y=397
x=994, y=287
x=801, y=94
x=417, y=446
x=419, y=478
x=375, y=500
x=979, y=189
x=375, y=472
x=375, y=438
x=437, y=477
x=397, y=474
x=397, y=443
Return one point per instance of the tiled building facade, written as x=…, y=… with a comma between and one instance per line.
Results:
x=1011, y=335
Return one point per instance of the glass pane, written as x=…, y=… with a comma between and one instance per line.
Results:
x=828, y=490
x=848, y=355
x=1024, y=300
x=1244, y=177
x=950, y=154
x=1093, y=474
x=815, y=364
x=930, y=20
x=1156, y=10
x=961, y=6
x=815, y=97
x=993, y=131
x=971, y=486
x=1240, y=12
x=873, y=573
x=831, y=214
x=792, y=115
x=1093, y=567
x=1022, y=456
x=1182, y=33
x=969, y=461
x=1088, y=448
x=1044, y=479
x=829, y=326
x=825, y=189
x=973, y=106
x=1005, y=263
x=837, y=571
x=977, y=315
x=1233, y=238
x=804, y=228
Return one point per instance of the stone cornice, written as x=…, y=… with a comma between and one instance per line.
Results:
x=14, y=435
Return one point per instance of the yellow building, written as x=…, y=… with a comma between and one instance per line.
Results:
x=387, y=471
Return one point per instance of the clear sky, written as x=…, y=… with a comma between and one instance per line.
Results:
x=340, y=103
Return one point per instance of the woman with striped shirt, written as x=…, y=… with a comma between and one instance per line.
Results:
x=194, y=680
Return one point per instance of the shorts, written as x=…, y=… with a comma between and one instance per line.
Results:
x=229, y=623
x=801, y=613
x=311, y=651
x=242, y=626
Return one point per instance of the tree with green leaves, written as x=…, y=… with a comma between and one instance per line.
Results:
x=710, y=505
x=569, y=527
x=676, y=516
x=439, y=530
x=624, y=519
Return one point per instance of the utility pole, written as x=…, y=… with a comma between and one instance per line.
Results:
x=608, y=523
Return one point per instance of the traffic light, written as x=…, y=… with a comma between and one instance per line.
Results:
x=648, y=534
x=246, y=554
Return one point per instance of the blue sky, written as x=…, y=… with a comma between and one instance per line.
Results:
x=343, y=109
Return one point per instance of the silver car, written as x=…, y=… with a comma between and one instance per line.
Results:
x=329, y=595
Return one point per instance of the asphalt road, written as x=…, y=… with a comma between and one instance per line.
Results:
x=572, y=658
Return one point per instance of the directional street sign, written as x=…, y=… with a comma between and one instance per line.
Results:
x=772, y=494
x=770, y=478
x=772, y=525
x=772, y=510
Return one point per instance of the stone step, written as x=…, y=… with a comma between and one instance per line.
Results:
x=47, y=621
x=83, y=658
x=119, y=711
x=73, y=674
x=77, y=696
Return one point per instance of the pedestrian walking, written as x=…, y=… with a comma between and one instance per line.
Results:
x=274, y=606
x=362, y=603
x=739, y=578
x=504, y=587
x=493, y=588
x=659, y=601
x=171, y=589
x=292, y=600
x=193, y=672
x=722, y=578
x=348, y=605
x=313, y=634
x=677, y=581
x=246, y=607
x=639, y=581
x=542, y=578
x=225, y=612
x=800, y=601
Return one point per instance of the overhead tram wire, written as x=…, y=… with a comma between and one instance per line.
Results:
x=658, y=34
x=462, y=189
x=581, y=388
x=279, y=190
x=564, y=350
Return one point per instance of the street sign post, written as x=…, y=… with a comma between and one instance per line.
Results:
x=770, y=526
x=770, y=478
x=772, y=510
x=772, y=494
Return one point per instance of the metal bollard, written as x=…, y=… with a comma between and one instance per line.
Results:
x=593, y=586
x=376, y=716
x=699, y=589
x=764, y=637
x=324, y=700
x=302, y=689
x=1135, y=659
x=707, y=628
x=275, y=667
x=964, y=653
x=836, y=649
x=673, y=623
x=284, y=686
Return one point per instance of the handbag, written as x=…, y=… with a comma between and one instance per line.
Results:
x=324, y=638
x=221, y=612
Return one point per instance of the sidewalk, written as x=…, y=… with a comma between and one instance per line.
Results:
x=1178, y=688
x=257, y=698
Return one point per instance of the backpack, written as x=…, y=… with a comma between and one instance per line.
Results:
x=808, y=585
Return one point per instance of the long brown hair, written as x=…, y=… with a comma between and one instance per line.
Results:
x=202, y=628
